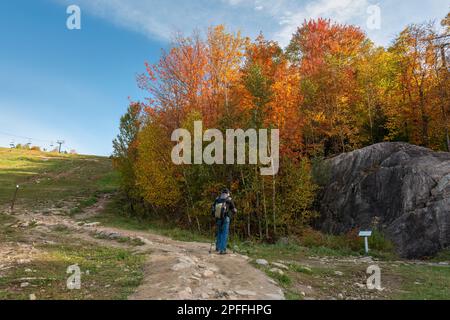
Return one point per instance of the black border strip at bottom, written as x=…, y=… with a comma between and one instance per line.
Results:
x=164, y=310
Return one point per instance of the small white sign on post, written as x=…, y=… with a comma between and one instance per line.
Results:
x=366, y=234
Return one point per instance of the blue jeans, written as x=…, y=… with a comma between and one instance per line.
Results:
x=222, y=229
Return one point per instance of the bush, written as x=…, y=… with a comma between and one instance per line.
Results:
x=349, y=242
x=379, y=242
x=311, y=238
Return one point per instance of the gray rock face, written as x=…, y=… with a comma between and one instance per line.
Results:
x=402, y=188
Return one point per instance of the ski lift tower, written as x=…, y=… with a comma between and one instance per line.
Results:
x=60, y=142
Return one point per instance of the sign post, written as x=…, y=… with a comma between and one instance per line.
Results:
x=366, y=235
x=14, y=198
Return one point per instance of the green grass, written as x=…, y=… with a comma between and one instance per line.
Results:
x=284, y=280
x=292, y=250
x=434, y=280
x=443, y=256
x=83, y=204
x=301, y=269
x=109, y=182
x=425, y=283
x=48, y=177
x=292, y=296
x=330, y=252
x=107, y=273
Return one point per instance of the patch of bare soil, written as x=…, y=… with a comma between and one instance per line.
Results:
x=12, y=254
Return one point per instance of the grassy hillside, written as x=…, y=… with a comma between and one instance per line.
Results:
x=34, y=262
x=48, y=177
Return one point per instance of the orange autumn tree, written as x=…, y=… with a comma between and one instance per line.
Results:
x=420, y=88
x=272, y=93
x=225, y=52
x=325, y=54
x=176, y=83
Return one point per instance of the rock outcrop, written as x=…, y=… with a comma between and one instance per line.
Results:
x=402, y=188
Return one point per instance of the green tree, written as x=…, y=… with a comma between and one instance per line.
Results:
x=125, y=151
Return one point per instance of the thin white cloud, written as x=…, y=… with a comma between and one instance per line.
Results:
x=278, y=19
x=342, y=11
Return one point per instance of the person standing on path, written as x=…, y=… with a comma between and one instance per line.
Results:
x=223, y=210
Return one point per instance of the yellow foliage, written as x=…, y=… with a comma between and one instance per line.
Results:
x=155, y=173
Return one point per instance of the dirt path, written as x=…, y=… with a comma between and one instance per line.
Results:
x=174, y=269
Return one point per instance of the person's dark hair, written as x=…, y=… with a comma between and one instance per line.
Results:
x=225, y=190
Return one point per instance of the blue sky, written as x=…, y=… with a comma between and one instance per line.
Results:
x=74, y=85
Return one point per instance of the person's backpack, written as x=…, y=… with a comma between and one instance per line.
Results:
x=220, y=209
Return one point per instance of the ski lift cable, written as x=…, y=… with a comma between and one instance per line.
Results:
x=25, y=138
